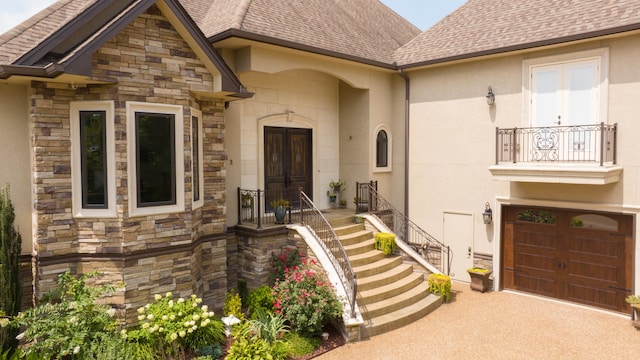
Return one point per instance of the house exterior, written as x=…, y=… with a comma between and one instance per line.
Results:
x=278, y=95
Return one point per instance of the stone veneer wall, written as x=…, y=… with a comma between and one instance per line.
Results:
x=185, y=252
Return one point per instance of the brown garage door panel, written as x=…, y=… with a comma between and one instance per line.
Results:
x=603, y=246
x=590, y=271
x=593, y=296
x=531, y=236
x=535, y=262
x=535, y=284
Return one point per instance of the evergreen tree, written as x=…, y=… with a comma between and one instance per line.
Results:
x=10, y=286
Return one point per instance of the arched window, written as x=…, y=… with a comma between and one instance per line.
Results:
x=382, y=149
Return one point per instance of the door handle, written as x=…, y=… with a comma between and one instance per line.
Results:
x=469, y=252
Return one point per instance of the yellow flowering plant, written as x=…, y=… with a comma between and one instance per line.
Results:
x=176, y=325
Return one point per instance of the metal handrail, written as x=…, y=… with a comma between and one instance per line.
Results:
x=591, y=144
x=311, y=217
x=434, y=251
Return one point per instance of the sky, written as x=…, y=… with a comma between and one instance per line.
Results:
x=421, y=13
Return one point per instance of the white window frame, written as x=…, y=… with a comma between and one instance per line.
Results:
x=600, y=55
x=132, y=108
x=374, y=160
x=198, y=114
x=76, y=173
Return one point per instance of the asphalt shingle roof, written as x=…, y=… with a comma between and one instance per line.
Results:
x=27, y=35
x=490, y=25
x=359, y=28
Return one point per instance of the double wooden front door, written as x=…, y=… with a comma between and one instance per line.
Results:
x=571, y=255
x=287, y=163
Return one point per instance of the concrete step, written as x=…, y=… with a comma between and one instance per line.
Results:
x=397, y=302
x=368, y=257
x=359, y=248
x=355, y=237
x=384, y=278
x=390, y=290
x=399, y=318
x=377, y=267
x=348, y=229
x=342, y=221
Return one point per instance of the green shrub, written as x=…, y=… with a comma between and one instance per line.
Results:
x=440, y=284
x=70, y=321
x=244, y=348
x=306, y=298
x=213, y=351
x=385, y=242
x=243, y=291
x=233, y=305
x=299, y=345
x=174, y=326
x=114, y=346
x=267, y=326
x=260, y=299
x=287, y=257
x=10, y=285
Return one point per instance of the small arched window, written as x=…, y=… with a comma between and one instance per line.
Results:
x=382, y=149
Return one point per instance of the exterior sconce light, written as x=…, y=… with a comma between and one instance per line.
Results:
x=491, y=99
x=486, y=215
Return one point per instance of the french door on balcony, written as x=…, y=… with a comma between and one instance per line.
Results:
x=564, y=94
x=287, y=163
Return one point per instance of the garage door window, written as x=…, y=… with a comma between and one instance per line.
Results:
x=595, y=222
x=537, y=216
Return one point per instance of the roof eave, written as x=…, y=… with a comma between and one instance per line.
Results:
x=50, y=71
x=242, y=34
x=524, y=46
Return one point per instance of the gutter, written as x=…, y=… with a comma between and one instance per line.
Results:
x=50, y=71
x=407, y=93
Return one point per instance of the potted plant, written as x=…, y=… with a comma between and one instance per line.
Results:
x=634, y=301
x=385, y=242
x=333, y=197
x=336, y=186
x=247, y=201
x=440, y=284
x=343, y=203
x=280, y=207
x=479, y=278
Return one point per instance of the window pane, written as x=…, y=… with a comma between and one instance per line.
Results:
x=155, y=155
x=580, y=94
x=546, y=86
x=537, y=216
x=195, y=145
x=594, y=221
x=381, y=149
x=93, y=159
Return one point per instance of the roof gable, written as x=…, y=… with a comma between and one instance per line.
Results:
x=69, y=47
x=482, y=27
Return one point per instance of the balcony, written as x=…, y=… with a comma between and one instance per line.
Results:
x=578, y=154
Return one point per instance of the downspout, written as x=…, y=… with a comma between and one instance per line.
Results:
x=407, y=90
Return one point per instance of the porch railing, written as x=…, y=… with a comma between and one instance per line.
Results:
x=435, y=252
x=256, y=206
x=311, y=216
x=595, y=144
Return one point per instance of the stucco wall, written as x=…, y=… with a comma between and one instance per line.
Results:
x=14, y=164
x=453, y=140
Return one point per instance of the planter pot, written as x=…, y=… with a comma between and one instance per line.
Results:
x=480, y=280
x=636, y=317
x=279, y=212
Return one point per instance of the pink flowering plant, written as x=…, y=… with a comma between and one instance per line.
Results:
x=176, y=325
x=306, y=298
x=287, y=258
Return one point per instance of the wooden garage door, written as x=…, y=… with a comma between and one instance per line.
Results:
x=579, y=256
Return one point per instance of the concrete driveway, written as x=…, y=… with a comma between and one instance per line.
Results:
x=503, y=325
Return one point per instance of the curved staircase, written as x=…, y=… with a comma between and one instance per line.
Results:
x=390, y=293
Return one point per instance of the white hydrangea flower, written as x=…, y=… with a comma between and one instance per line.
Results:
x=205, y=308
x=141, y=317
x=72, y=320
x=141, y=310
x=76, y=349
x=169, y=294
x=182, y=333
x=170, y=303
x=173, y=336
x=145, y=325
x=180, y=300
x=165, y=317
x=196, y=317
x=172, y=317
x=157, y=297
x=150, y=316
x=111, y=312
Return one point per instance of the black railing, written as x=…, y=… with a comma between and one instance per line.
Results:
x=311, y=217
x=259, y=207
x=435, y=252
x=567, y=144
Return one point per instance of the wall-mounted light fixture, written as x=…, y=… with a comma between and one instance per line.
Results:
x=487, y=214
x=491, y=98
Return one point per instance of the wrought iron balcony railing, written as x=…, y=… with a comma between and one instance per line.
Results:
x=589, y=144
